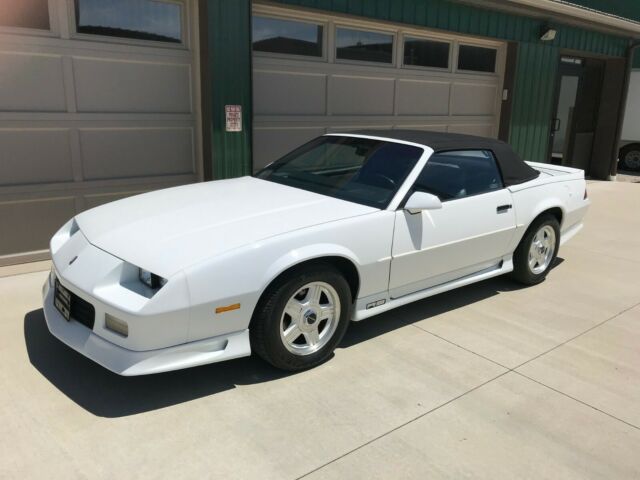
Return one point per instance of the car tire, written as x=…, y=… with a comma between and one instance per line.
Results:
x=293, y=328
x=630, y=158
x=537, y=251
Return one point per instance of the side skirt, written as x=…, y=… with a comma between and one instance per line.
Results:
x=570, y=233
x=363, y=312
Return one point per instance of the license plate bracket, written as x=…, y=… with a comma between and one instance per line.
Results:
x=62, y=300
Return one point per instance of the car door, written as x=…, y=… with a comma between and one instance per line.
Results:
x=471, y=232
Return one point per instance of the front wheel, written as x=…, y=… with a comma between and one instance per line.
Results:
x=301, y=318
x=537, y=251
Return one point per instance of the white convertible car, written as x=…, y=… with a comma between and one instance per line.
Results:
x=345, y=227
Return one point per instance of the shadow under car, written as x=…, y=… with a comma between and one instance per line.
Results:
x=106, y=394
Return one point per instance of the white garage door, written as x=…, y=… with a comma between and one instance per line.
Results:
x=314, y=74
x=97, y=102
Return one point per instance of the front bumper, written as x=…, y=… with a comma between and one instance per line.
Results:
x=130, y=363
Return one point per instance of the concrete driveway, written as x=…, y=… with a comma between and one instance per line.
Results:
x=491, y=381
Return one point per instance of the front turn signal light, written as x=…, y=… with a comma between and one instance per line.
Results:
x=116, y=325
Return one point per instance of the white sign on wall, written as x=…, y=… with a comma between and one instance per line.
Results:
x=233, y=114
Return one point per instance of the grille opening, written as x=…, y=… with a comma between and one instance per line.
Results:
x=82, y=311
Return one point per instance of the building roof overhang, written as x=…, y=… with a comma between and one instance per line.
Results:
x=567, y=13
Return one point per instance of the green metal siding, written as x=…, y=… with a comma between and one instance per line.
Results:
x=230, y=32
x=533, y=103
x=229, y=58
x=629, y=9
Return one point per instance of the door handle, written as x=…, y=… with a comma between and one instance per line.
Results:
x=556, y=125
x=504, y=208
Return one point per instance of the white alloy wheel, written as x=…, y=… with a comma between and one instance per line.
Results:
x=542, y=249
x=310, y=318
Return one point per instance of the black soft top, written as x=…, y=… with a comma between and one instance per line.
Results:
x=514, y=170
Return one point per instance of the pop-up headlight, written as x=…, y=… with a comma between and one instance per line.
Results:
x=151, y=280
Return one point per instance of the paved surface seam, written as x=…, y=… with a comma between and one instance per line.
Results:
x=401, y=426
x=577, y=400
x=509, y=370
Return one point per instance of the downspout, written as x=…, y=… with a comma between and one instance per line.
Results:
x=623, y=108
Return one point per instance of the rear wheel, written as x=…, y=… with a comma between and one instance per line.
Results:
x=301, y=318
x=630, y=157
x=537, y=251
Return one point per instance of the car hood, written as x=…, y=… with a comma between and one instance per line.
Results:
x=168, y=230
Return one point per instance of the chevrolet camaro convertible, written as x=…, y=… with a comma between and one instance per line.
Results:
x=343, y=228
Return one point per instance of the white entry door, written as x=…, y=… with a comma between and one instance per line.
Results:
x=471, y=232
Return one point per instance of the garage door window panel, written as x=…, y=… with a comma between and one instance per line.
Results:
x=152, y=20
x=472, y=58
x=364, y=46
x=460, y=174
x=32, y=14
x=421, y=52
x=287, y=37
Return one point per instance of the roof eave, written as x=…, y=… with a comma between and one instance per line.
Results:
x=565, y=8
x=564, y=12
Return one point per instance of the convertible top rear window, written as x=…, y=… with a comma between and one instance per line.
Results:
x=514, y=170
x=360, y=170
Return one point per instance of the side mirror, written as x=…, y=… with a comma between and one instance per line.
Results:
x=420, y=201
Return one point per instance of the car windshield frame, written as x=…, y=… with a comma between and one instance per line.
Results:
x=370, y=179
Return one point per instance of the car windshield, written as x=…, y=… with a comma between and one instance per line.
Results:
x=360, y=170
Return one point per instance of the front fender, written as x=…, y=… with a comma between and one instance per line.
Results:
x=305, y=254
x=241, y=276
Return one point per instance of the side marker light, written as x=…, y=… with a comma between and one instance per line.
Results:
x=228, y=308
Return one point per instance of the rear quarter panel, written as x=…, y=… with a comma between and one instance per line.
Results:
x=566, y=194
